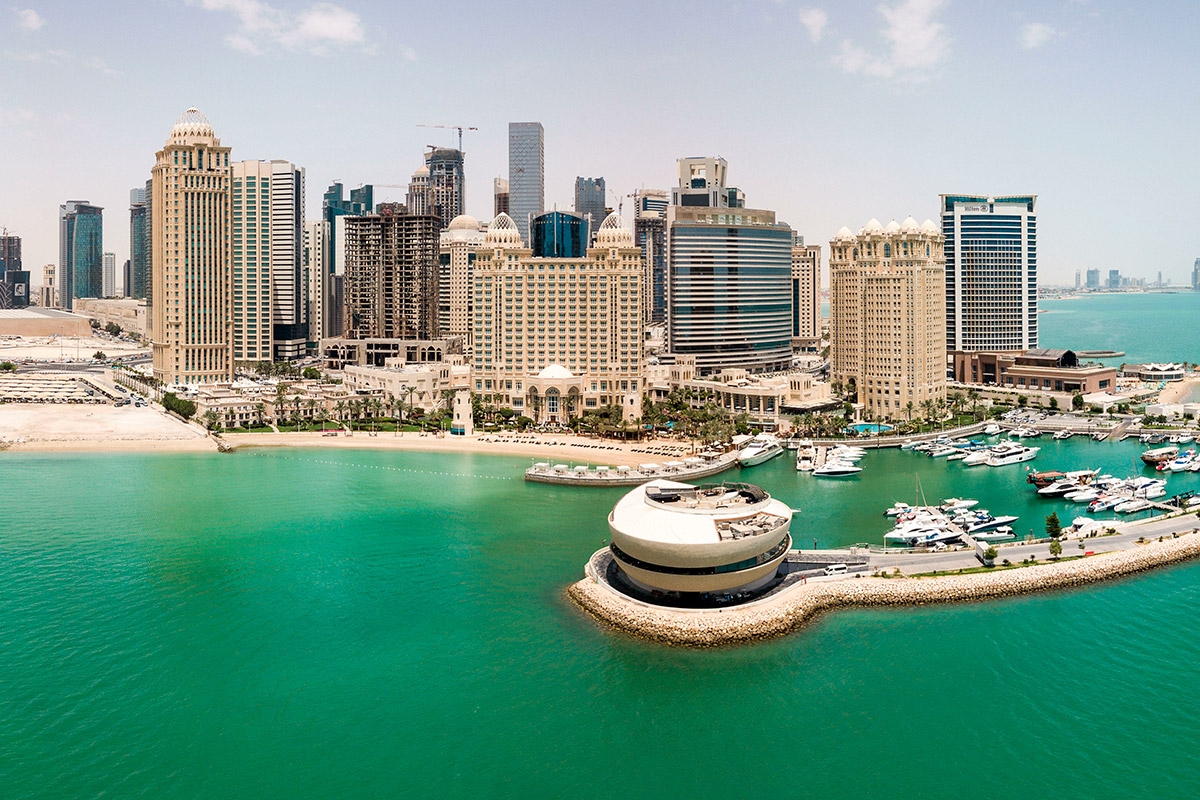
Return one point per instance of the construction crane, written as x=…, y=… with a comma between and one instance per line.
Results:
x=459, y=128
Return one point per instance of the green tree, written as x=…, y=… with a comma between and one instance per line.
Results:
x=1053, y=527
x=1077, y=401
x=99, y=355
x=311, y=374
x=990, y=554
x=1022, y=401
x=1054, y=403
x=211, y=421
x=7, y=366
x=113, y=328
x=1055, y=548
x=184, y=408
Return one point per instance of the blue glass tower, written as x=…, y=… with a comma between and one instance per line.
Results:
x=81, y=251
x=557, y=234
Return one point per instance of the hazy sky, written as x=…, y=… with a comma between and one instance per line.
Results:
x=828, y=113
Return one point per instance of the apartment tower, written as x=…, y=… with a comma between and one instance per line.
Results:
x=190, y=258
x=650, y=234
x=887, y=330
x=80, y=251
x=991, y=272
x=391, y=282
x=806, y=294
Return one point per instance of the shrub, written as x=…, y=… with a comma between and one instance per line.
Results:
x=184, y=408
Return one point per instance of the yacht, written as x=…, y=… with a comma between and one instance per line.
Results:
x=1100, y=436
x=1025, y=433
x=942, y=450
x=987, y=523
x=837, y=469
x=992, y=429
x=920, y=536
x=761, y=448
x=897, y=509
x=1065, y=433
x=1005, y=454
x=1132, y=506
x=1003, y=532
x=1084, y=495
x=1105, y=502
x=956, y=504
x=977, y=458
x=959, y=456
x=806, y=456
x=1059, y=488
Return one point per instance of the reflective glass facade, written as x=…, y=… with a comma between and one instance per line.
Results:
x=729, y=289
x=557, y=234
x=526, y=173
x=81, y=251
x=991, y=272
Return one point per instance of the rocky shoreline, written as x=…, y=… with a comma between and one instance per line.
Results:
x=795, y=607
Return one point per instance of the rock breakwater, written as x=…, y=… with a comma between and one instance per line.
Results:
x=793, y=608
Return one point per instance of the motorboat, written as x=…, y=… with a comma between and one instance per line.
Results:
x=955, y=504
x=1100, y=436
x=1040, y=479
x=992, y=429
x=897, y=509
x=853, y=455
x=1079, y=523
x=837, y=469
x=959, y=456
x=1133, y=506
x=1179, y=464
x=977, y=458
x=1003, y=532
x=1106, y=502
x=1065, y=433
x=1085, y=495
x=1158, y=455
x=1186, y=438
x=1005, y=454
x=761, y=448
x=1059, y=488
x=941, y=451
x=988, y=522
x=922, y=536
x=912, y=444
x=806, y=456
x=1025, y=433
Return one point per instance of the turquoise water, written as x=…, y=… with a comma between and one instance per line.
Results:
x=1147, y=327
x=368, y=624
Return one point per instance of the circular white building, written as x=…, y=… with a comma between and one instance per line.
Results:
x=675, y=537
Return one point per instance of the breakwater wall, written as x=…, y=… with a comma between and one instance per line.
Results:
x=795, y=607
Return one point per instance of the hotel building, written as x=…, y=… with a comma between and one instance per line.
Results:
x=806, y=295
x=269, y=302
x=650, y=234
x=991, y=272
x=190, y=258
x=558, y=337
x=458, y=246
x=887, y=316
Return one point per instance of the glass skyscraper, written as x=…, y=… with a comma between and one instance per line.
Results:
x=139, y=245
x=81, y=251
x=557, y=234
x=589, y=199
x=991, y=272
x=526, y=173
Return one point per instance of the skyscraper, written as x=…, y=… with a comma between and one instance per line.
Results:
x=1093, y=279
x=189, y=255
x=1114, y=279
x=391, y=281
x=316, y=280
x=1196, y=274
x=458, y=246
x=650, y=234
x=80, y=251
x=589, y=201
x=887, y=331
x=437, y=186
x=126, y=277
x=806, y=293
x=526, y=173
x=729, y=277
x=334, y=209
x=557, y=234
x=108, y=281
x=499, y=196
x=49, y=287
x=139, y=244
x=1078, y=283
x=991, y=272
x=14, y=279
x=268, y=252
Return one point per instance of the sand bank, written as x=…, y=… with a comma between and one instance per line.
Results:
x=95, y=428
x=1177, y=391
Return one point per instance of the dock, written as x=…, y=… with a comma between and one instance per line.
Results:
x=584, y=475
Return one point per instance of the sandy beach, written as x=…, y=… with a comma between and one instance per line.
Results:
x=101, y=428
x=1177, y=391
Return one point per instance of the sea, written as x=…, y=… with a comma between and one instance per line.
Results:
x=314, y=624
x=1149, y=326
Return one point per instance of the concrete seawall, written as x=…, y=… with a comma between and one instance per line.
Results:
x=795, y=607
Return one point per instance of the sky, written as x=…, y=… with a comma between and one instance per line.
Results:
x=827, y=113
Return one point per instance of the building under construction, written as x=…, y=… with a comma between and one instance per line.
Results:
x=391, y=275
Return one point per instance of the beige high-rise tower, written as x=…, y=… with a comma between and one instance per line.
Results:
x=887, y=293
x=189, y=244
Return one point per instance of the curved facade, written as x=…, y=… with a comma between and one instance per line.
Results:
x=557, y=234
x=675, y=537
x=729, y=288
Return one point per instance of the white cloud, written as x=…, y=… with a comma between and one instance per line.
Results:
x=917, y=42
x=41, y=57
x=99, y=65
x=814, y=20
x=1036, y=34
x=262, y=27
x=14, y=116
x=29, y=19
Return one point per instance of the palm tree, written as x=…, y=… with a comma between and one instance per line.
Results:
x=908, y=410
x=311, y=403
x=340, y=409
x=411, y=390
x=280, y=392
x=258, y=413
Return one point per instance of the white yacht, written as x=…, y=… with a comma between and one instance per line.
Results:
x=761, y=448
x=992, y=429
x=978, y=457
x=918, y=536
x=836, y=469
x=941, y=451
x=1132, y=506
x=1065, y=433
x=1084, y=495
x=1003, y=532
x=1010, y=453
x=957, y=504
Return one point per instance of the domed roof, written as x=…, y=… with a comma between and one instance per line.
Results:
x=421, y=171
x=893, y=227
x=873, y=226
x=192, y=123
x=613, y=233
x=910, y=225
x=843, y=234
x=555, y=371
x=502, y=230
x=929, y=226
x=463, y=222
